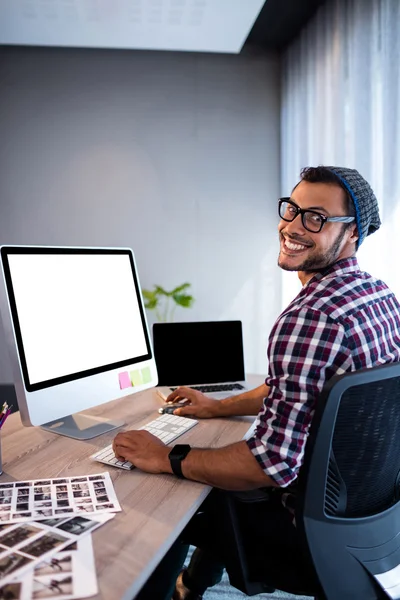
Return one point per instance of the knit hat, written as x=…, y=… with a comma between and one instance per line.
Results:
x=364, y=200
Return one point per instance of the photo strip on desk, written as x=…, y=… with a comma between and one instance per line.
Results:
x=32, y=500
x=70, y=574
x=24, y=546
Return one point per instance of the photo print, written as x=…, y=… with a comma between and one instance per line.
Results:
x=60, y=585
x=11, y=591
x=5, y=493
x=12, y=562
x=46, y=498
x=5, y=517
x=99, y=485
x=85, y=508
x=44, y=544
x=60, y=563
x=77, y=525
x=81, y=493
x=72, y=547
x=51, y=522
x=100, y=506
x=22, y=492
x=18, y=535
x=71, y=569
x=42, y=512
x=102, y=498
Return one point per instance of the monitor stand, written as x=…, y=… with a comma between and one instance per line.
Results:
x=81, y=427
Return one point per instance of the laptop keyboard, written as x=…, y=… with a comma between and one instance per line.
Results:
x=166, y=427
x=217, y=387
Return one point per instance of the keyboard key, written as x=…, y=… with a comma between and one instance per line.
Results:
x=217, y=387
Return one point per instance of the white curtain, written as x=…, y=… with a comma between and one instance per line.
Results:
x=341, y=106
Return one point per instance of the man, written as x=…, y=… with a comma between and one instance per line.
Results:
x=342, y=320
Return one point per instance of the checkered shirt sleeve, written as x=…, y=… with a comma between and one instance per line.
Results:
x=306, y=348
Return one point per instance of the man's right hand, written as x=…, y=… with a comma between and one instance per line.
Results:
x=200, y=406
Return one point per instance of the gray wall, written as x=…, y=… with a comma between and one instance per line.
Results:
x=174, y=155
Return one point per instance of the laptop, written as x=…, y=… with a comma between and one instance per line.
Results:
x=206, y=355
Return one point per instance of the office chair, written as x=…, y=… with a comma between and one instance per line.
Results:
x=348, y=501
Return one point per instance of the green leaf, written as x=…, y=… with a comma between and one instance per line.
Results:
x=180, y=288
x=160, y=291
x=151, y=304
x=183, y=300
x=148, y=294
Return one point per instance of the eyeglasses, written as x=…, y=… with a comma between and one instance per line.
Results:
x=312, y=221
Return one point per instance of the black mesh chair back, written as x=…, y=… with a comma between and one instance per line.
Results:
x=348, y=503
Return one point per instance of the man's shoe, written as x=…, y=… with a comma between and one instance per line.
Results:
x=182, y=592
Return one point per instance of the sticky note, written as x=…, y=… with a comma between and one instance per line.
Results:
x=146, y=375
x=136, y=377
x=124, y=380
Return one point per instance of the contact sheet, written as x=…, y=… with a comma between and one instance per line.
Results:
x=24, y=546
x=38, y=499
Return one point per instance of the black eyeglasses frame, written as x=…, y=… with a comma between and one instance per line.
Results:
x=302, y=211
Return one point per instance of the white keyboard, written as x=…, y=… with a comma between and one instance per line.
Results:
x=166, y=427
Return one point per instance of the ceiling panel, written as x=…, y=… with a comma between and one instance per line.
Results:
x=183, y=25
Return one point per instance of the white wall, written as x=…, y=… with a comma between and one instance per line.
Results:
x=174, y=155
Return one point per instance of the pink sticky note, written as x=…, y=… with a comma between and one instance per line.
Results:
x=124, y=380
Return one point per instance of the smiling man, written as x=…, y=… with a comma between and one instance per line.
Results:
x=342, y=320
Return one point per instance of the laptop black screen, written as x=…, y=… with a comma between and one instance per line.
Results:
x=198, y=352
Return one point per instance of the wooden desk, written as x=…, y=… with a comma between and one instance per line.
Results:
x=155, y=508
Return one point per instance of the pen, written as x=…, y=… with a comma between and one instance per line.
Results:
x=3, y=417
x=161, y=395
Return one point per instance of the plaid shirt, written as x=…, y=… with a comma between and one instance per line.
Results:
x=342, y=320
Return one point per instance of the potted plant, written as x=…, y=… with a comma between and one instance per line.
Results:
x=165, y=303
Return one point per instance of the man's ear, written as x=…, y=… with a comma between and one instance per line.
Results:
x=354, y=235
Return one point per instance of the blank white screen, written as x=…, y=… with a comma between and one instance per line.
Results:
x=76, y=312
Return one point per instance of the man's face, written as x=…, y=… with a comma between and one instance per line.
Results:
x=302, y=250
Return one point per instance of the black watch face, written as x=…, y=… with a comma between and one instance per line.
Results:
x=180, y=451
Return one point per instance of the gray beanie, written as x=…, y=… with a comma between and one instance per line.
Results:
x=364, y=200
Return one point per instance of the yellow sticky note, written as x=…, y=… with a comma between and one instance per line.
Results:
x=136, y=377
x=146, y=375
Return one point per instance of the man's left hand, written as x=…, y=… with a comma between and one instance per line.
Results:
x=143, y=450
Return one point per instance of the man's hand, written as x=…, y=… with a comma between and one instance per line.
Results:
x=200, y=406
x=143, y=450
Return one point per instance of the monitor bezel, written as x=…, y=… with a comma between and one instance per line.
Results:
x=6, y=251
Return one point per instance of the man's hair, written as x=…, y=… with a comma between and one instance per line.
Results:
x=324, y=175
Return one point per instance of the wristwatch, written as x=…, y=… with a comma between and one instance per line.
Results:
x=176, y=456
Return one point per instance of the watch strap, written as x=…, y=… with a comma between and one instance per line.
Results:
x=176, y=456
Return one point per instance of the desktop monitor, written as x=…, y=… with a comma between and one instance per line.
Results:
x=76, y=332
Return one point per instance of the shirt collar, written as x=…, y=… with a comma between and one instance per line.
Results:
x=345, y=266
